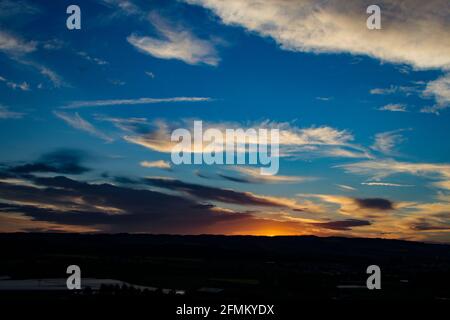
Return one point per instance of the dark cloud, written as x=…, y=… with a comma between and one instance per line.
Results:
x=427, y=226
x=236, y=179
x=109, y=208
x=375, y=203
x=64, y=161
x=212, y=193
x=343, y=225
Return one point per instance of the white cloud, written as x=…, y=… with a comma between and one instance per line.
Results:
x=440, y=90
x=125, y=6
x=406, y=90
x=77, y=122
x=385, y=184
x=385, y=142
x=24, y=86
x=175, y=44
x=324, y=98
x=161, y=164
x=150, y=74
x=380, y=169
x=345, y=187
x=394, y=107
x=338, y=26
x=54, y=78
x=14, y=45
x=16, y=48
x=120, y=102
x=294, y=141
x=5, y=113
x=92, y=59
x=51, y=75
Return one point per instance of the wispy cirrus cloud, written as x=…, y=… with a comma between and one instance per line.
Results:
x=394, y=107
x=24, y=86
x=55, y=79
x=125, y=6
x=381, y=169
x=14, y=45
x=392, y=89
x=160, y=164
x=385, y=184
x=385, y=142
x=138, y=101
x=179, y=44
x=89, y=58
x=77, y=122
x=5, y=113
x=345, y=187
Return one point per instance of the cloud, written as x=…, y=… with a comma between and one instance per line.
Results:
x=343, y=225
x=321, y=141
x=121, y=102
x=385, y=142
x=17, y=49
x=345, y=187
x=394, y=107
x=5, y=113
x=125, y=6
x=384, y=168
x=109, y=208
x=11, y=8
x=218, y=194
x=373, y=208
x=116, y=82
x=324, y=98
x=253, y=175
x=43, y=203
x=24, y=86
x=54, y=78
x=375, y=203
x=439, y=89
x=150, y=74
x=337, y=27
x=53, y=44
x=13, y=45
x=51, y=75
x=66, y=203
x=175, y=44
x=77, y=122
x=95, y=60
x=161, y=164
x=66, y=161
x=406, y=90
x=385, y=184
x=139, y=125
x=427, y=226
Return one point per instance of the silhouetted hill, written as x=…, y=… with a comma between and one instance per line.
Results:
x=230, y=269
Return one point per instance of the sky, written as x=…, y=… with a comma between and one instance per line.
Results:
x=86, y=117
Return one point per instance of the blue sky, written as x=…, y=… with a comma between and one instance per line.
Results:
x=364, y=113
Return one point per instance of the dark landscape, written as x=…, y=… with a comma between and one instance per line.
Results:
x=227, y=269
